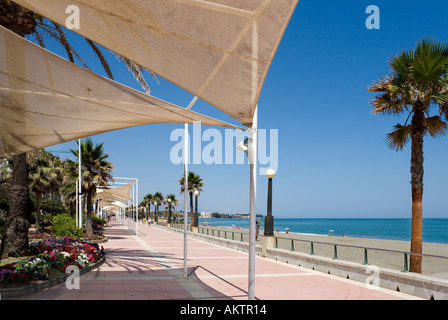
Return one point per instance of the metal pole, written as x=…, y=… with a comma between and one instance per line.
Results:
x=253, y=206
x=77, y=207
x=137, y=209
x=185, y=197
x=80, y=184
x=253, y=165
x=269, y=220
x=196, y=217
x=133, y=208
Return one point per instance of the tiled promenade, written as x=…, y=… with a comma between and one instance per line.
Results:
x=151, y=267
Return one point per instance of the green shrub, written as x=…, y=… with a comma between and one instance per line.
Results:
x=65, y=225
x=98, y=220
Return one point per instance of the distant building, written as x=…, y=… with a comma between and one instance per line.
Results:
x=204, y=214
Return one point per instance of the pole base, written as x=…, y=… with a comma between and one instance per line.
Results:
x=267, y=243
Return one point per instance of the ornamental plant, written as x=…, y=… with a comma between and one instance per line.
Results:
x=53, y=255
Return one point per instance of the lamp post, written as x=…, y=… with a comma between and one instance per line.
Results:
x=156, y=212
x=196, y=217
x=249, y=146
x=269, y=219
x=169, y=212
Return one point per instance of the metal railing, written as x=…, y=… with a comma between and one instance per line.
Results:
x=231, y=234
x=242, y=235
x=405, y=254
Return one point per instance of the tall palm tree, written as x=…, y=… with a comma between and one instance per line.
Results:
x=147, y=199
x=29, y=24
x=43, y=172
x=417, y=83
x=171, y=204
x=194, y=183
x=157, y=197
x=68, y=187
x=95, y=172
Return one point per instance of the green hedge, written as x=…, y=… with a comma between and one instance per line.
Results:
x=65, y=225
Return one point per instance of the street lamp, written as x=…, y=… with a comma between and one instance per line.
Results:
x=169, y=214
x=195, y=219
x=156, y=212
x=249, y=147
x=269, y=219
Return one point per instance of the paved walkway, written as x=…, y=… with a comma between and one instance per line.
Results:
x=151, y=267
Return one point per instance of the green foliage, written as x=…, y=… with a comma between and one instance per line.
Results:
x=64, y=225
x=54, y=206
x=98, y=220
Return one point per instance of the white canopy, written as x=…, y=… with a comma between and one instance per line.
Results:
x=111, y=208
x=218, y=50
x=106, y=203
x=46, y=100
x=123, y=192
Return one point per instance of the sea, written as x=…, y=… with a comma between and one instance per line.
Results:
x=434, y=230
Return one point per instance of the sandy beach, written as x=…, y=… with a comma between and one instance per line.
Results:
x=432, y=266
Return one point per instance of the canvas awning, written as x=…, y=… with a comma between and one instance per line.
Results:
x=123, y=192
x=107, y=203
x=218, y=50
x=111, y=208
x=46, y=100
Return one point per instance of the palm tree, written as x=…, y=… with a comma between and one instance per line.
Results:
x=42, y=175
x=157, y=197
x=29, y=24
x=171, y=203
x=95, y=172
x=68, y=187
x=147, y=202
x=418, y=82
x=194, y=183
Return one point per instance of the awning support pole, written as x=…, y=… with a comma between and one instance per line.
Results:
x=80, y=211
x=252, y=207
x=185, y=197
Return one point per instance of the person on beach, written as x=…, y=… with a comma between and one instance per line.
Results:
x=257, y=229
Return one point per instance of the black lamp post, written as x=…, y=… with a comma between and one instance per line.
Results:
x=269, y=219
x=196, y=217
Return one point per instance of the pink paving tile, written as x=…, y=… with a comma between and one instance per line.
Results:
x=114, y=295
x=131, y=271
x=136, y=295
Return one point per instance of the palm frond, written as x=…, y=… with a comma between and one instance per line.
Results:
x=436, y=126
x=402, y=64
x=63, y=40
x=53, y=33
x=100, y=56
x=138, y=72
x=398, y=138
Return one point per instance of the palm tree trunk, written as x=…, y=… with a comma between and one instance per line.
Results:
x=15, y=234
x=417, y=133
x=38, y=198
x=89, y=229
x=72, y=208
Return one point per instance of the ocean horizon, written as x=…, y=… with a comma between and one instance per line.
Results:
x=435, y=230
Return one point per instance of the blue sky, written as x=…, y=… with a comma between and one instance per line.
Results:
x=332, y=161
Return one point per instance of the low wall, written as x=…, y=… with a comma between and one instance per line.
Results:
x=406, y=282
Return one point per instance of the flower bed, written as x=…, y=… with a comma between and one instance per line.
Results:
x=50, y=258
